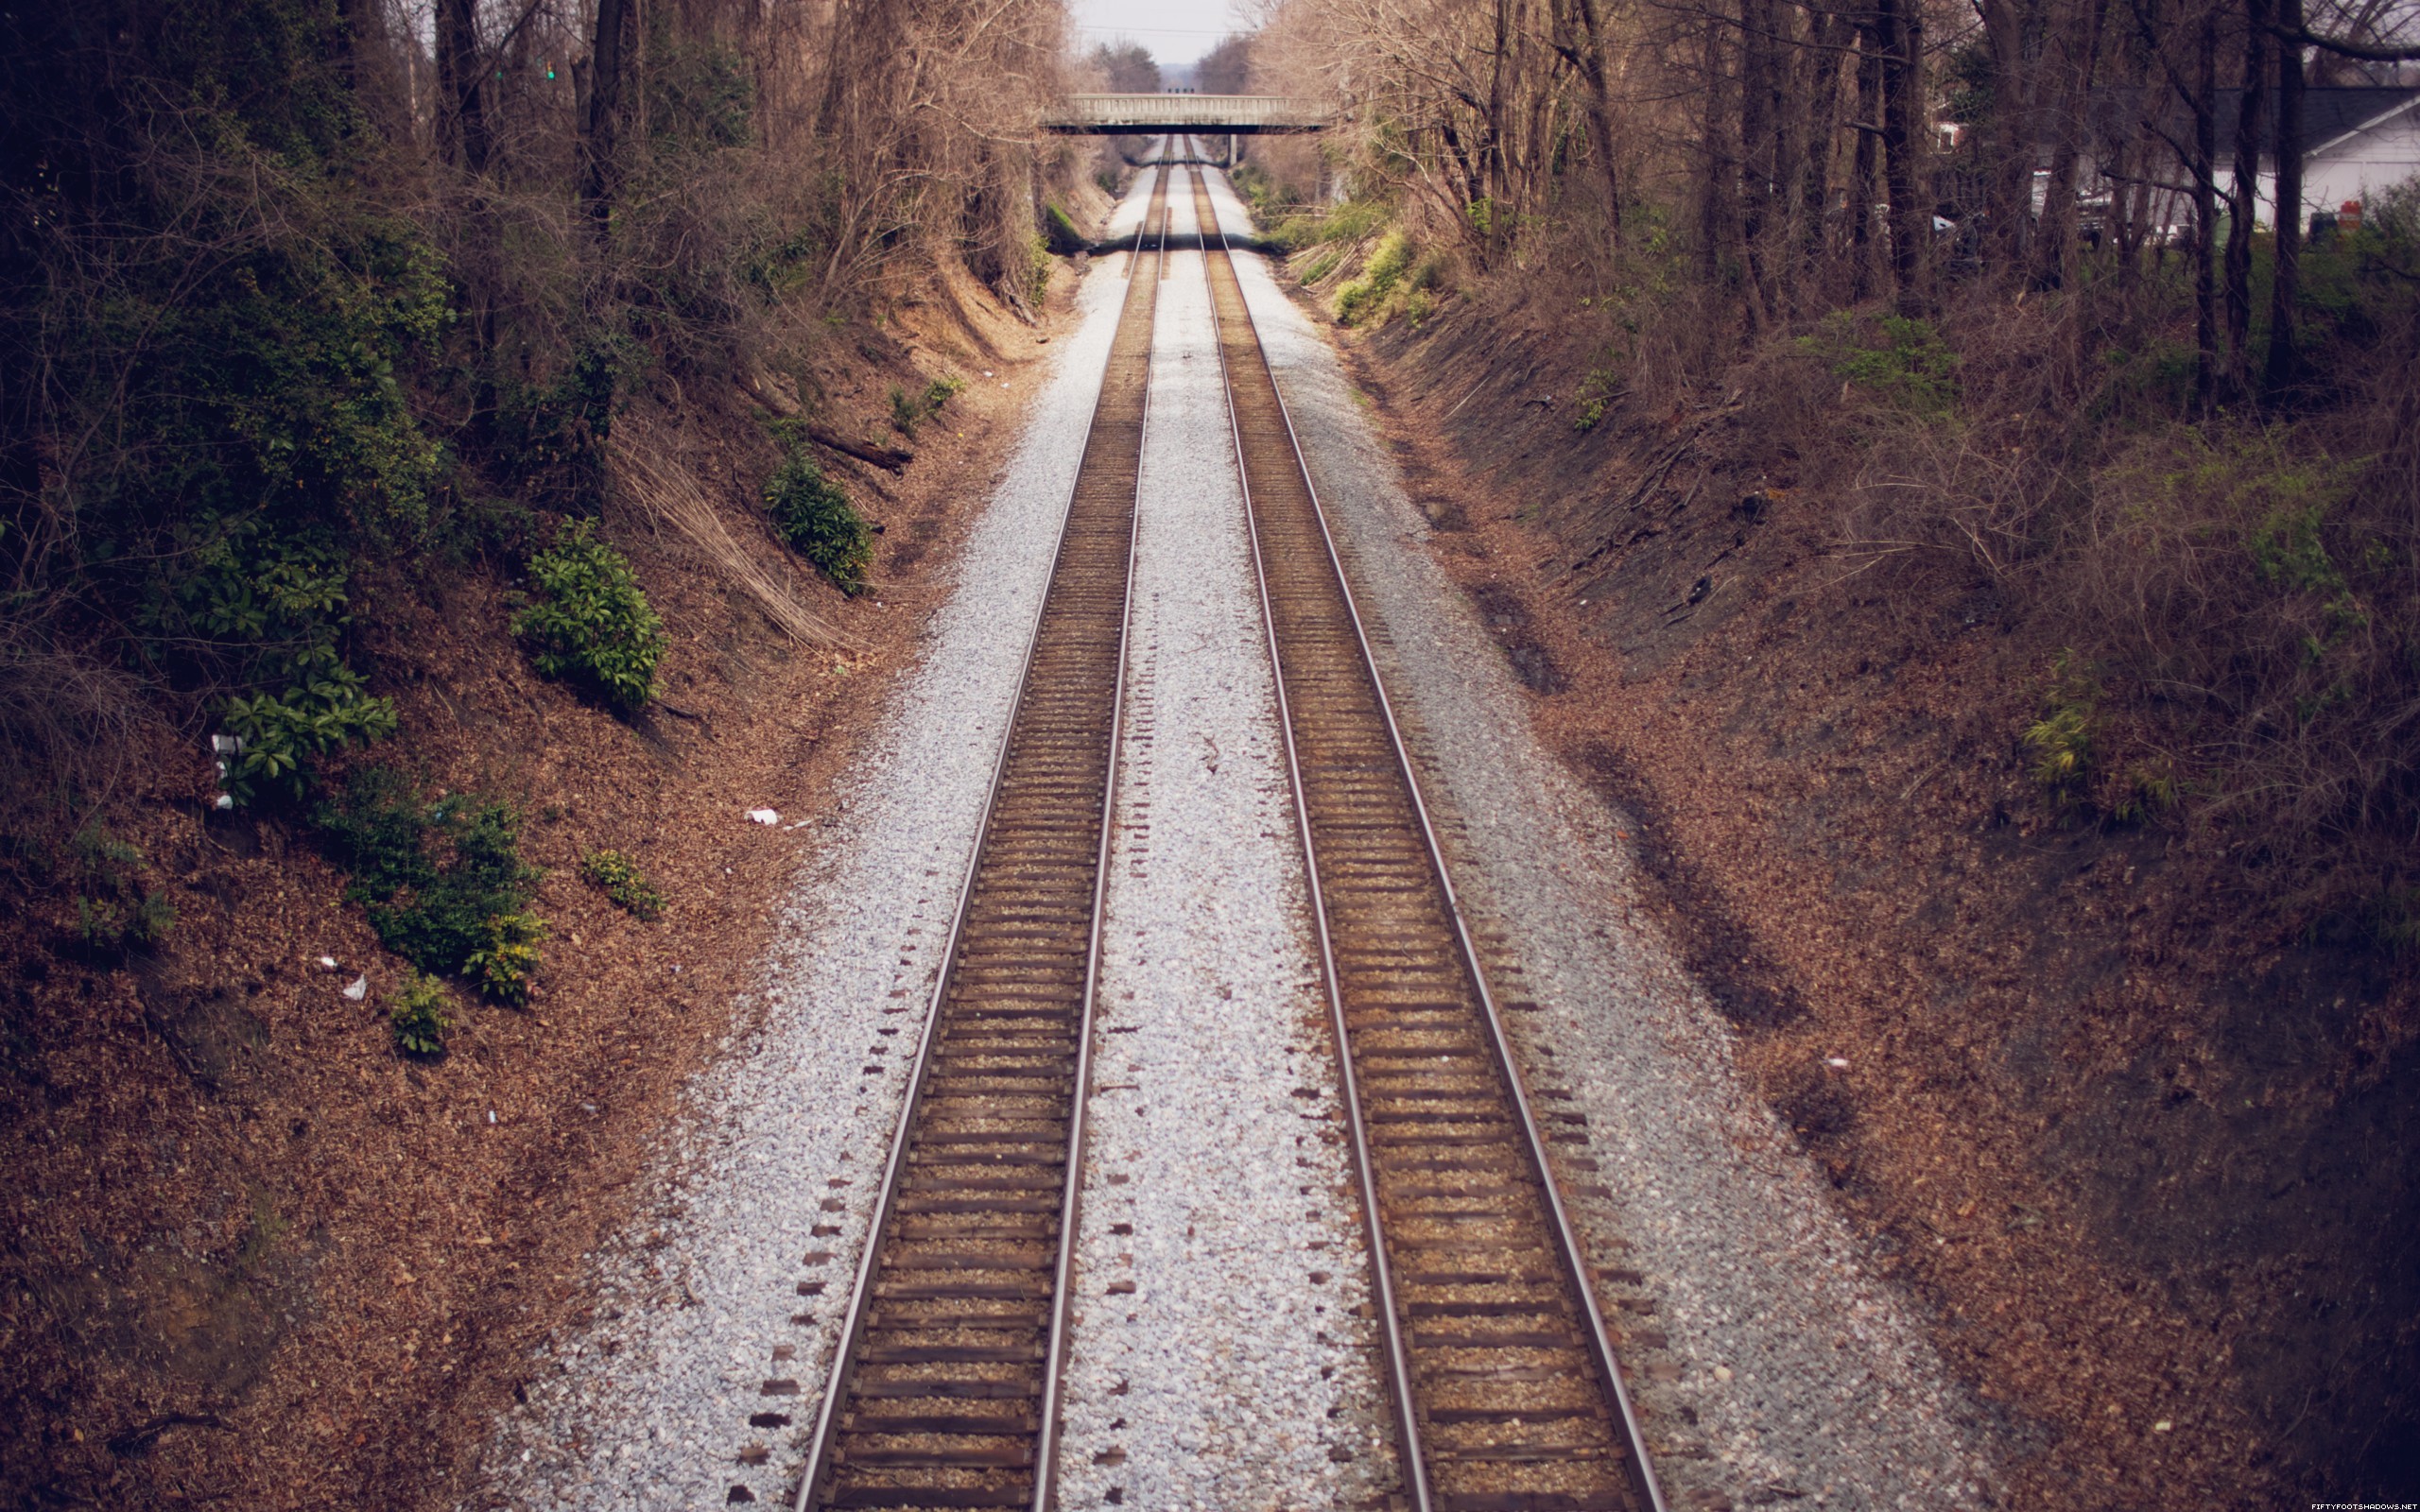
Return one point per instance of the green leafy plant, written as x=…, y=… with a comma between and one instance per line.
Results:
x=1064, y=238
x=1902, y=360
x=1367, y=294
x=618, y=877
x=550, y=435
x=2061, y=743
x=114, y=911
x=330, y=709
x=2395, y=921
x=419, y=1016
x=589, y=622
x=432, y=876
x=1598, y=391
x=275, y=600
x=507, y=957
x=908, y=411
x=2146, y=790
x=815, y=516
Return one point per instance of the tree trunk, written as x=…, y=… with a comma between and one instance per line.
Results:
x=1490, y=148
x=1756, y=66
x=1869, y=112
x=2008, y=27
x=1601, y=136
x=1901, y=26
x=604, y=114
x=2055, y=238
x=2243, y=207
x=460, y=78
x=1718, y=210
x=2205, y=215
x=1832, y=35
x=2285, y=293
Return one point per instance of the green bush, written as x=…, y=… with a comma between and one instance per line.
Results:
x=2062, y=742
x=547, y=437
x=281, y=731
x=419, y=1017
x=589, y=622
x=1903, y=361
x=1268, y=199
x=114, y=912
x=271, y=599
x=907, y=412
x=1597, y=391
x=507, y=957
x=1064, y=239
x=1367, y=294
x=619, y=878
x=815, y=516
x=433, y=877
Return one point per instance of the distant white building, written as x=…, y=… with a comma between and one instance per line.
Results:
x=2356, y=143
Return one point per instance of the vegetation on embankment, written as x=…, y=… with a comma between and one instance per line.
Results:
x=2004, y=640
x=439, y=495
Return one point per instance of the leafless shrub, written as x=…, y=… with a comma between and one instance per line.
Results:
x=69, y=724
x=650, y=473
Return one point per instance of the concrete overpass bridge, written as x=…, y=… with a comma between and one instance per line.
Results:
x=1204, y=114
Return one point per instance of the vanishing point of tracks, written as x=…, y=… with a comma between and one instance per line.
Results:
x=1500, y=1368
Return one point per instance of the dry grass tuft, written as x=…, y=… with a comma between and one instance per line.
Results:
x=650, y=472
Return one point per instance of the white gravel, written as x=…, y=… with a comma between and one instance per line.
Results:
x=1802, y=1377
x=1227, y=1378
x=647, y=1406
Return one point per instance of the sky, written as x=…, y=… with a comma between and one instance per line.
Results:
x=1177, y=31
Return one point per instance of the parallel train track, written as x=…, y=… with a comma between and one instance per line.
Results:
x=1507, y=1392
x=945, y=1385
x=944, y=1391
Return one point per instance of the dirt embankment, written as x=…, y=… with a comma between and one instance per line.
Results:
x=249, y=1255
x=2132, y=1132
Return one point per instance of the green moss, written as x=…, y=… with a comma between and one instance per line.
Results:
x=1060, y=233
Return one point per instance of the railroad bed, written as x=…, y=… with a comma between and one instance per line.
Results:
x=946, y=1386
x=1506, y=1393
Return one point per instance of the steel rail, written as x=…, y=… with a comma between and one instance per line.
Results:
x=1596, y=1336
x=820, y=1463
x=1046, y=1470
x=1398, y=1359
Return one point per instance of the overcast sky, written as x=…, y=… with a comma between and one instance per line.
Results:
x=1177, y=31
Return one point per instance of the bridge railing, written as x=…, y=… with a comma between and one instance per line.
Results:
x=1240, y=114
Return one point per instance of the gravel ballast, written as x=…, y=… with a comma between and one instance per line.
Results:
x=1215, y=1362
x=1772, y=1364
x=700, y=1323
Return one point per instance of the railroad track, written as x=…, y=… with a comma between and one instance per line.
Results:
x=1507, y=1392
x=945, y=1390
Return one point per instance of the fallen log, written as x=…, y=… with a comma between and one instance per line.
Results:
x=891, y=457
